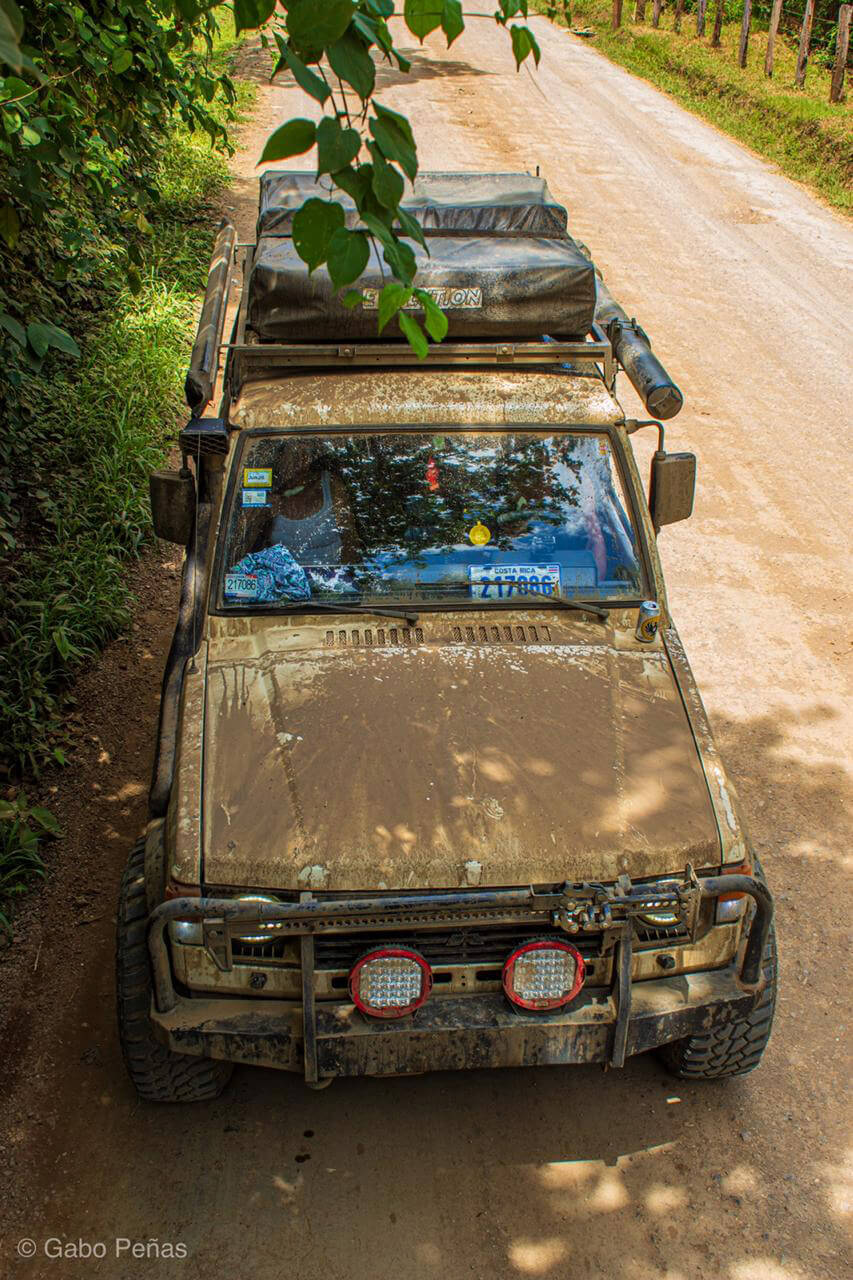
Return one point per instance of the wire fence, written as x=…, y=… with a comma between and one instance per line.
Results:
x=815, y=26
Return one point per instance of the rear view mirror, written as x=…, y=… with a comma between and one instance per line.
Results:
x=172, y=505
x=671, y=488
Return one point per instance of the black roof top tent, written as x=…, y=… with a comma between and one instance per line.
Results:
x=501, y=264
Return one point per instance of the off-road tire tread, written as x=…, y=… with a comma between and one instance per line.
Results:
x=731, y=1048
x=158, y=1074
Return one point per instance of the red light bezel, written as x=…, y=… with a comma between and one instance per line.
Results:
x=542, y=1006
x=376, y=954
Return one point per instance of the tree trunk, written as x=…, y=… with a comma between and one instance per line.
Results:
x=640, y=11
x=656, y=13
x=719, y=14
x=701, y=6
x=836, y=88
x=679, y=6
x=616, y=19
x=775, y=15
x=805, y=44
x=744, y=33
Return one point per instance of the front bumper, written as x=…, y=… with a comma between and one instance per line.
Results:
x=452, y=1033
x=323, y=1039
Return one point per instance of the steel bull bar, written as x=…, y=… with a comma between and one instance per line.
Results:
x=573, y=907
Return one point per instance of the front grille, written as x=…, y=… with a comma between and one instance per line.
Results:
x=445, y=947
x=273, y=950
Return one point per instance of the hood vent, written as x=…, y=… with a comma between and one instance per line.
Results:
x=382, y=637
x=502, y=635
x=370, y=637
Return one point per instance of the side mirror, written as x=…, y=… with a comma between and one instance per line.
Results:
x=671, y=487
x=172, y=505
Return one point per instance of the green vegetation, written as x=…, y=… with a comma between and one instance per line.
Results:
x=798, y=129
x=22, y=830
x=73, y=470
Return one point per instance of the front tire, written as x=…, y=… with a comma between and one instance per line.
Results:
x=729, y=1048
x=158, y=1074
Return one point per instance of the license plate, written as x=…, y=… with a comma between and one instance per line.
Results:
x=501, y=581
x=241, y=586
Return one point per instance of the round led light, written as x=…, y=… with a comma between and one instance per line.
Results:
x=543, y=975
x=390, y=982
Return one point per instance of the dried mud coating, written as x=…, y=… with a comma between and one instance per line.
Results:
x=739, y=276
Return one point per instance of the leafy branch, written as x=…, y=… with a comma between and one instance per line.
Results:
x=367, y=154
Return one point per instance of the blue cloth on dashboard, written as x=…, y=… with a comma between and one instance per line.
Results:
x=279, y=576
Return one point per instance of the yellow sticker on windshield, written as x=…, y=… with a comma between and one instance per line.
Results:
x=257, y=477
x=480, y=534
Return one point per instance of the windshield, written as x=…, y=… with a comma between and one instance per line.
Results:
x=425, y=517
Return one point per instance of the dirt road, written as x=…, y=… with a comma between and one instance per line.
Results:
x=743, y=281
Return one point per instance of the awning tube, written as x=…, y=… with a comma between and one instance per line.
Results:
x=633, y=350
x=204, y=365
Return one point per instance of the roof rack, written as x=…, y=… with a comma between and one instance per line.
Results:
x=614, y=341
x=250, y=361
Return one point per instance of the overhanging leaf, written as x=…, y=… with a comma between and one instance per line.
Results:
x=249, y=14
x=411, y=228
x=414, y=333
x=350, y=60
x=393, y=142
x=347, y=256
x=452, y=22
x=336, y=147
x=434, y=318
x=391, y=299
x=524, y=43
x=304, y=77
x=423, y=16
x=387, y=183
x=61, y=340
x=290, y=140
x=313, y=227
x=317, y=26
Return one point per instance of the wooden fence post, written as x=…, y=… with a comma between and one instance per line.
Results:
x=679, y=7
x=701, y=6
x=836, y=88
x=744, y=33
x=775, y=15
x=640, y=11
x=656, y=13
x=616, y=20
x=718, y=23
x=805, y=44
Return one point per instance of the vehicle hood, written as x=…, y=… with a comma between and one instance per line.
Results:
x=346, y=763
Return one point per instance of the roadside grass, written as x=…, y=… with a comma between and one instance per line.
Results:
x=810, y=139
x=99, y=427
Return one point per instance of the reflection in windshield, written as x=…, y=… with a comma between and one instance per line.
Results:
x=422, y=516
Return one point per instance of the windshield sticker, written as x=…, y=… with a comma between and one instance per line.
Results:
x=254, y=497
x=480, y=534
x=499, y=581
x=241, y=586
x=257, y=477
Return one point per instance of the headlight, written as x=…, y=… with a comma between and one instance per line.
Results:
x=668, y=917
x=260, y=932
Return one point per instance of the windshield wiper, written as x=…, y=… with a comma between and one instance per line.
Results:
x=559, y=602
x=330, y=606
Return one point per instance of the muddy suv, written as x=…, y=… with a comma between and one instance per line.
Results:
x=434, y=786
